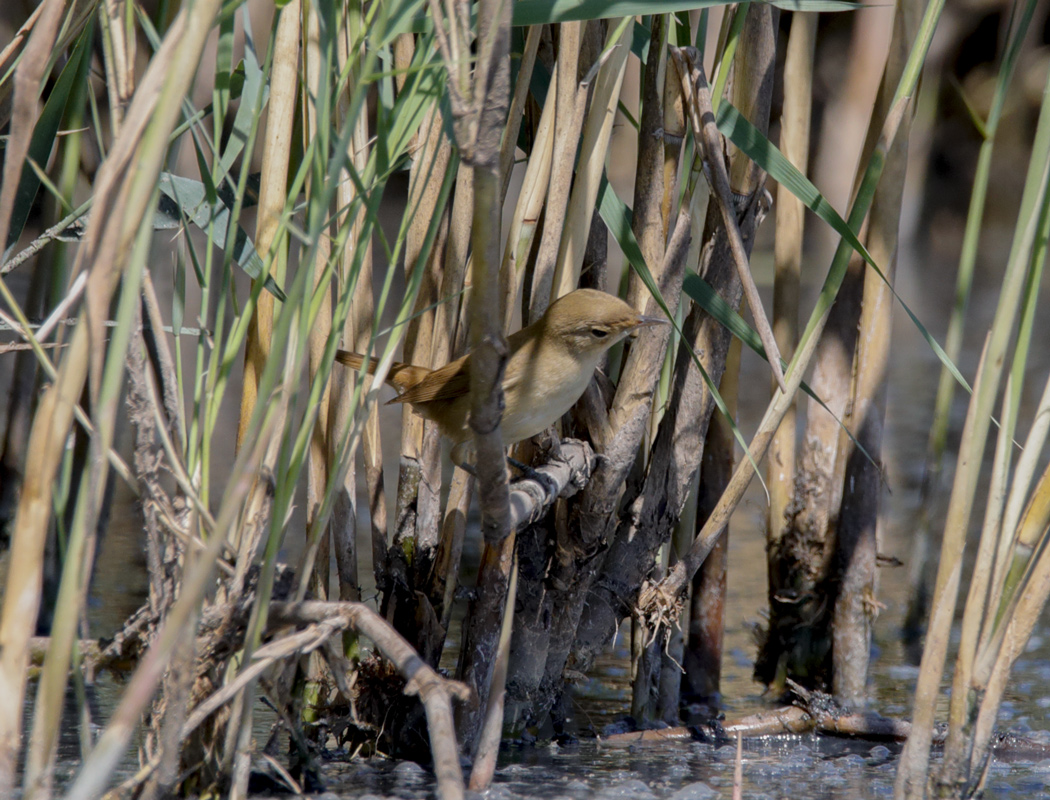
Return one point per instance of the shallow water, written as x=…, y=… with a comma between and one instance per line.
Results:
x=818, y=768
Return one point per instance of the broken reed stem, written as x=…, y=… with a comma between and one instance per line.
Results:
x=433, y=690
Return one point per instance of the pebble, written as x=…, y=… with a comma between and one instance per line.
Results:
x=694, y=791
x=632, y=789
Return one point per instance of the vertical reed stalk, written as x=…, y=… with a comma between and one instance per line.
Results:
x=856, y=542
x=911, y=775
x=787, y=254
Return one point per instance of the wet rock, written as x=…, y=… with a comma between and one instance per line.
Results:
x=499, y=791
x=632, y=789
x=578, y=788
x=878, y=754
x=694, y=791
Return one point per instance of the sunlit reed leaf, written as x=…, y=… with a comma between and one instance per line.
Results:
x=190, y=197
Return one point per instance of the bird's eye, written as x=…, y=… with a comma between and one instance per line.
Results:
x=599, y=333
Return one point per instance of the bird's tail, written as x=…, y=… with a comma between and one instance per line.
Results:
x=401, y=376
x=356, y=361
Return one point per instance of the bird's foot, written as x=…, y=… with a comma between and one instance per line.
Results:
x=525, y=469
x=531, y=474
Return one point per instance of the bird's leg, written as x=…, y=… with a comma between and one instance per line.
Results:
x=545, y=481
x=468, y=468
x=524, y=469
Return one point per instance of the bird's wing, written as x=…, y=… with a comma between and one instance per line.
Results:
x=401, y=376
x=447, y=383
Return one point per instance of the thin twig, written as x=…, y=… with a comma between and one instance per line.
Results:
x=698, y=97
x=44, y=239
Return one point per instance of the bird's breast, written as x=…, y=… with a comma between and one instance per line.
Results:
x=538, y=399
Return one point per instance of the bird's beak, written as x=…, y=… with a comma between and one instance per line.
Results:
x=645, y=322
x=650, y=322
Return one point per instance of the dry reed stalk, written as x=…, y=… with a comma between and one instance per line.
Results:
x=273, y=183
x=847, y=116
x=649, y=226
x=675, y=665
x=270, y=240
x=25, y=107
x=118, y=45
x=404, y=52
x=357, y=333
x=532, y=198
x=856, y=541
x=674, y=132
x=569, y=107
x=787, y=253
x=963, y=706
x=593, y=144
x=317, y=464
x=487, y=751
x=516, y=114
x=444, y=578
x=703, y=655
x=417, y=508
x=912, y=771
x=741, y=172
x=648, y=220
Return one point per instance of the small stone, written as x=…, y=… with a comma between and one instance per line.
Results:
x=626, y=790
x=694, y=791
x=878, y=754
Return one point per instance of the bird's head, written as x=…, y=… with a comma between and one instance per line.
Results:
x=591, y=321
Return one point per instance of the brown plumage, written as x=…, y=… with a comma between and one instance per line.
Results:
x=549, y=365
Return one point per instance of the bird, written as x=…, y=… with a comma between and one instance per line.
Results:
x=549, y=366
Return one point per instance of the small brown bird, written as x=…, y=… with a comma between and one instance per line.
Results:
x=550, y=364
